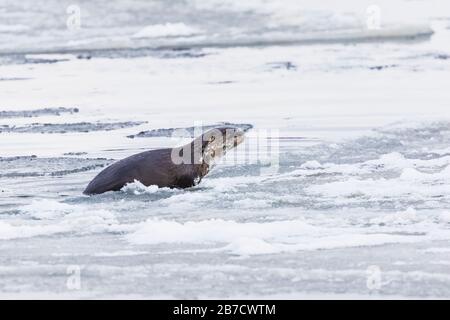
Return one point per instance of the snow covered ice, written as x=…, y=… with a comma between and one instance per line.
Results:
x=363, y=124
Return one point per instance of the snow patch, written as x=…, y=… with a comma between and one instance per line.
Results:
x=398, y=218
x=49, y=217
x=252, y=238
x=123, y=253
x=137, y=188
x=167, y=30
x=311, y=165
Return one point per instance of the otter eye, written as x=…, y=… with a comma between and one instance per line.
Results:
x=224, y=148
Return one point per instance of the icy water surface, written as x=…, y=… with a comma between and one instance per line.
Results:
x=92, y=26
x=358, y=207
x=316, y=226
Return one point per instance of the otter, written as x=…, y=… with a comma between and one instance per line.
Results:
x=180, y=167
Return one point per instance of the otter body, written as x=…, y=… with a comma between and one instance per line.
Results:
x=157, y=167
x=153, y=167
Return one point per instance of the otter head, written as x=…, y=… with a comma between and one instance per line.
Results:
x=216, y=142
x=206, y=149
x=209, y=147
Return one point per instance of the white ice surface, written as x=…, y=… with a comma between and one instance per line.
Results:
x=364, y=178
